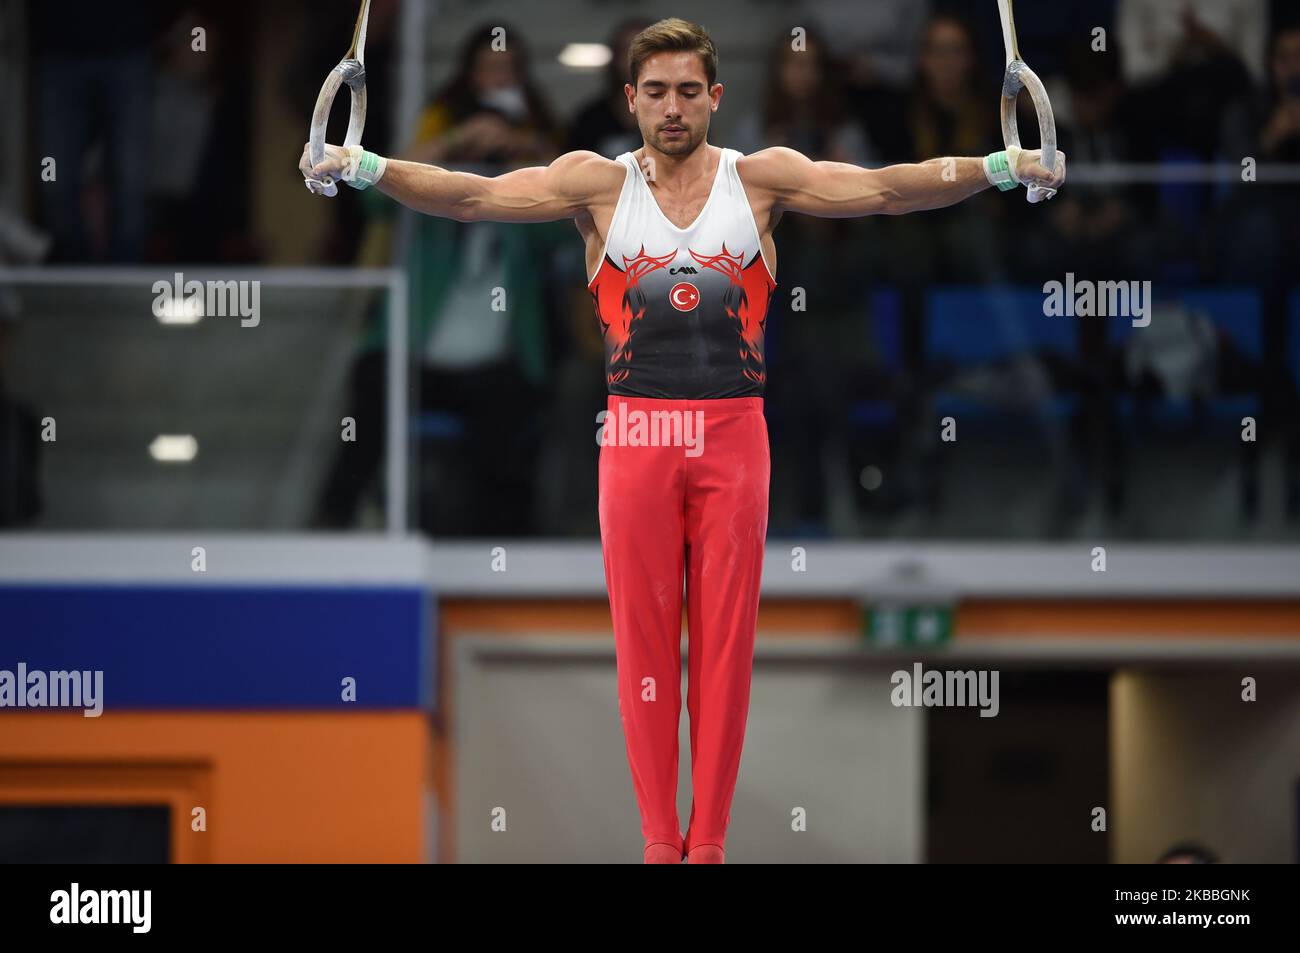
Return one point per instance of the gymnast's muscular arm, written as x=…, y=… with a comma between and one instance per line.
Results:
x=573, y=183
x=787, y=180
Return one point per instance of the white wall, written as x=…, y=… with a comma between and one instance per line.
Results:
x=537, y=731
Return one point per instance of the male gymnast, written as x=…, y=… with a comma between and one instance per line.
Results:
x=682, y=267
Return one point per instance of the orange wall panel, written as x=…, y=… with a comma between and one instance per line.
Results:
x=278, y=787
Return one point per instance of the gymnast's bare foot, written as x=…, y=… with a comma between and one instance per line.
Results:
x=662, y=854
x=706, y=854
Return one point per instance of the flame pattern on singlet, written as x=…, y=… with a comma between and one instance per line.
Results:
x=683, y=311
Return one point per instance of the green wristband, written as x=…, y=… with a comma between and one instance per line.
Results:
x=998, y=171
x=369, y=169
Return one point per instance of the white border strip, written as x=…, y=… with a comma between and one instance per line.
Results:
x=1019, y=652
x=569, y=569
x=327, y=559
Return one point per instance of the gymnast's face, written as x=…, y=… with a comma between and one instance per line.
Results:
x=673, y=102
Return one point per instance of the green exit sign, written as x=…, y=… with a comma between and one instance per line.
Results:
x=894, y=625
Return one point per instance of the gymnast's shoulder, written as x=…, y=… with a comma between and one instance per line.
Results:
x=772, y=169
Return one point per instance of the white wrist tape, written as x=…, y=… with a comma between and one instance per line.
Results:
x=1013, y=160
x=362, y=169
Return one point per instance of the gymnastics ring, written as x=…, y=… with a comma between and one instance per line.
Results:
x=1019, y=76
x=352, y=72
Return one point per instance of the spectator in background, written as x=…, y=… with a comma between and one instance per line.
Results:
x=1089, y=221
x=490, y=112
x=1188, y=853
x=803, y=106
x=815, y=357
x=94, y=88
x=1279, y=141
x=1189, y=61
x=1045, y=32
x=944, y=114
x=1160, y=37
x=1255, y=232
x=1259, y=219
x=873, y=44
x=947, y=113
x=201, y=114
x=482, y=358
x=605, y=124
x=1267, y=126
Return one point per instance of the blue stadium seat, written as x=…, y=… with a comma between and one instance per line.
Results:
x=887, y=333
x=438, y=426
x=972, y=327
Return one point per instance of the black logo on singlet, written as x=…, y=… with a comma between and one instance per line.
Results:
x=684, y=270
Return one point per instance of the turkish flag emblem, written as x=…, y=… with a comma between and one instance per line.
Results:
x=684, y=296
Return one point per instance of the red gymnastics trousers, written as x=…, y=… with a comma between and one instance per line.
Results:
x=690, y=505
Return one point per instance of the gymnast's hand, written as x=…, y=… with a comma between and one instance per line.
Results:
x=1030, y=172
x=322, y=179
